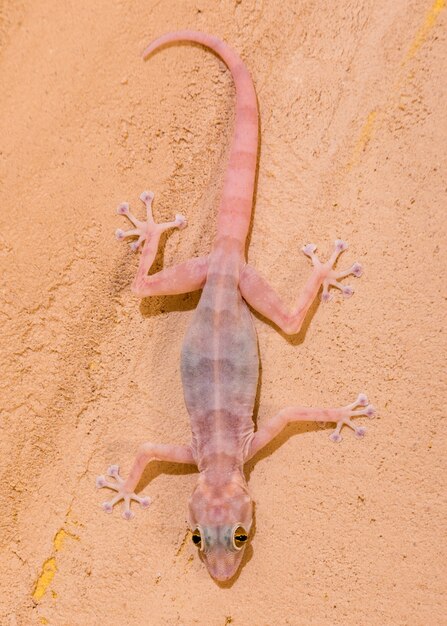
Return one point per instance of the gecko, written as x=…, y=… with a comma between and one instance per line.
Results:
x=219, y=357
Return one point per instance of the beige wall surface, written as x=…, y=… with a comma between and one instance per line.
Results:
x=353, y=119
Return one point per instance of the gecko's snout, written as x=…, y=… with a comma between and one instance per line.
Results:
x=222, y=564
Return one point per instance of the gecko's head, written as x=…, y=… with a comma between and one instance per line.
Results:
x=220, y=515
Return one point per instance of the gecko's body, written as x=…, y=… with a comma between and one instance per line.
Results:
x=220, y=368
x=219, y=363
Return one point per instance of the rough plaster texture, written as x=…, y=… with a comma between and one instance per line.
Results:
x=353, y=119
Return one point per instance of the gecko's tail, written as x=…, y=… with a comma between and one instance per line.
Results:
x=237, y=196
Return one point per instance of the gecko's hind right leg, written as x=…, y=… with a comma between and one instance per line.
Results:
x=181, y=278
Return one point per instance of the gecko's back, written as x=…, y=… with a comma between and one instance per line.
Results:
x=220, y=366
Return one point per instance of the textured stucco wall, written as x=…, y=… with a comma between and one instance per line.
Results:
x=353, y=121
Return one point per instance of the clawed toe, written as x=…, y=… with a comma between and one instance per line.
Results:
x=123, y=208
x=370, y=411
x=180, y=221
x=309, y=249
x=100, y=482
x=347, y=291
x=362, y=400
x=335, y=437
x=114, y=470
x=147, y=197
x=360, y=432
x=356, y=270
x=136, y=244
x=340, y=245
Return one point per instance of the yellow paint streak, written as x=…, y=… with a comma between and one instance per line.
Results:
x=421, y=36
x=60, y=537
x=49, y=568
x=429, y=22
x=367, y=131
x=364, y=138
x=43, y=620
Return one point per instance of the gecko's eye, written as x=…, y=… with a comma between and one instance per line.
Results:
x=197, y=538
x=240, y=537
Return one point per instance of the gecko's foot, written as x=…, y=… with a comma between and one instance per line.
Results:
x=143, y=230
x=118, y=486
x=330, y=275
x=349, y=411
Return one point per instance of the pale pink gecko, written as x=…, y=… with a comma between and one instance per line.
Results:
x=219, y=361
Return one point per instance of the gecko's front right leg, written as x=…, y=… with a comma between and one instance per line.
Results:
x=182, y=278
x=126, y=488
x=341, y=416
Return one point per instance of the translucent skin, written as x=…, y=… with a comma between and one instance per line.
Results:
x=220, y=362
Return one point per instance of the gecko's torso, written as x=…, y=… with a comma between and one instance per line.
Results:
x=219, y=367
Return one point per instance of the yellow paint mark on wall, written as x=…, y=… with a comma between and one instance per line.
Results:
x=369, y=126
x=43, y=620
x=364, y=138
x=49, y=568
x=429, y=22
x=60, y=537
x=367, y=131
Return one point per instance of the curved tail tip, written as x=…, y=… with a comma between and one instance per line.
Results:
x=153, y=45
x=146, y=52
x=158, y=42
x=181, y=35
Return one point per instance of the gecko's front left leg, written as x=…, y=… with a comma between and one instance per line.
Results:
x=126, y=488
x=181, y=278
x=264, y=299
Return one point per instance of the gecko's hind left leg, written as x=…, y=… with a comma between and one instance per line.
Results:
x=181, y=278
